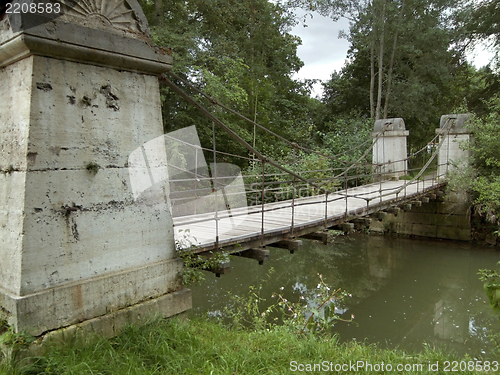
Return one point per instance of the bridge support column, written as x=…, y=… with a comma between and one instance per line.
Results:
x=451, y=154
x=389, y=150
x=260, y=254
x=323, y=236
x=290, y=245
x=79, y=94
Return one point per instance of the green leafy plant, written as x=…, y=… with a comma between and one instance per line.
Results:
x=491, y=279
x=16, y=341
x=194, y=263
x=11, y=344
x=313, y=313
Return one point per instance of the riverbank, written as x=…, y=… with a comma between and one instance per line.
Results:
x=202, y=346
x=405, y=292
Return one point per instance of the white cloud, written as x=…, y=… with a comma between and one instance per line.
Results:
x=323, y=52
x=481, y=55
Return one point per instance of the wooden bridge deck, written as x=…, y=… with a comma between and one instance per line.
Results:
x=243, y=230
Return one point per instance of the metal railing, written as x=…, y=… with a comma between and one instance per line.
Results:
x=289, y=186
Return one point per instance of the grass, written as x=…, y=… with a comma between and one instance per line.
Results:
x=201, y=346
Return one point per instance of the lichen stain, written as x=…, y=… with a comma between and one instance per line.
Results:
x=86, y=101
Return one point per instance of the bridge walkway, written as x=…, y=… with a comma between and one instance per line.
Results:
x=246, y=228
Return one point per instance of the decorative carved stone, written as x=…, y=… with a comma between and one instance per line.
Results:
x=111, y=33
x=117, y=16
x=122, y=17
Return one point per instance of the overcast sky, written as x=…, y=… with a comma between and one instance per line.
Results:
x=323, y=52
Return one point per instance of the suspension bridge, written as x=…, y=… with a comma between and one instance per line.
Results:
x=92, y=190
x=242, y=215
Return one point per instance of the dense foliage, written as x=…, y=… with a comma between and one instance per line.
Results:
x=241, y=53
x=407, y=59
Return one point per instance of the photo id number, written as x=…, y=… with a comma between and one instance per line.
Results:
x=40, y=8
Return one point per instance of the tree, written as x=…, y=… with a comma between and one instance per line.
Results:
x=416, y=72
x=481, y=22
x=241, y=53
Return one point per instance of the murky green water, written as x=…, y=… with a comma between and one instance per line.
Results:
x=404, y=292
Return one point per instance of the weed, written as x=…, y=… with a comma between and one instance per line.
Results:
x=313, y=313
x=194, y=263
x=8, y=170
x=16, y=341
x=4, y=326
x=335, y=233
x=491, y=279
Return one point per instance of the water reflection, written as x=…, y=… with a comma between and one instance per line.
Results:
x=404, y=292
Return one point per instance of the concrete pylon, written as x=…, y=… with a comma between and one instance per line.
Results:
x=390, y=150
x=79, y=94
x=452, y=152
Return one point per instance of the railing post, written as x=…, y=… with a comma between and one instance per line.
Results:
x=380, y=187
x=345, y=182
x=215, y=189
x=196, y=182
x=262, y=204
x=293, y=189
x=326, y=208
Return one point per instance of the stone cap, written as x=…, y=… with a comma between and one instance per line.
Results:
x=110, y=33
x=459, y=123
x=394, y=127
x=390, y=124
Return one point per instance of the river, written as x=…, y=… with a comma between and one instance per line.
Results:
x=406, y=293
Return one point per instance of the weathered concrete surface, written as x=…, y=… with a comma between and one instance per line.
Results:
x=74, y=243
x=453, y=152
x=390, y=150
x=113, y=323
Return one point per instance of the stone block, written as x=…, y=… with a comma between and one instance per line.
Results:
x=427, y=208
x=15, y=92
x=402, y=227
x=376, y=226
x=111, y=324
x=69, y=304
x=424, y=230
x=74, y=118
x=460, y=221
x=453, y=208
x=421, y=218
x=453, y=233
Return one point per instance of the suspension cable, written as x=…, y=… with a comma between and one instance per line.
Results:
x=293, y=144
x=233, y=135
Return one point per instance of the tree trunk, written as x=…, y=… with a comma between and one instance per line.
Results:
x=391, y=64
x=381, y=62
x=159, y=11
x=372, y=80
x=372, y=67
